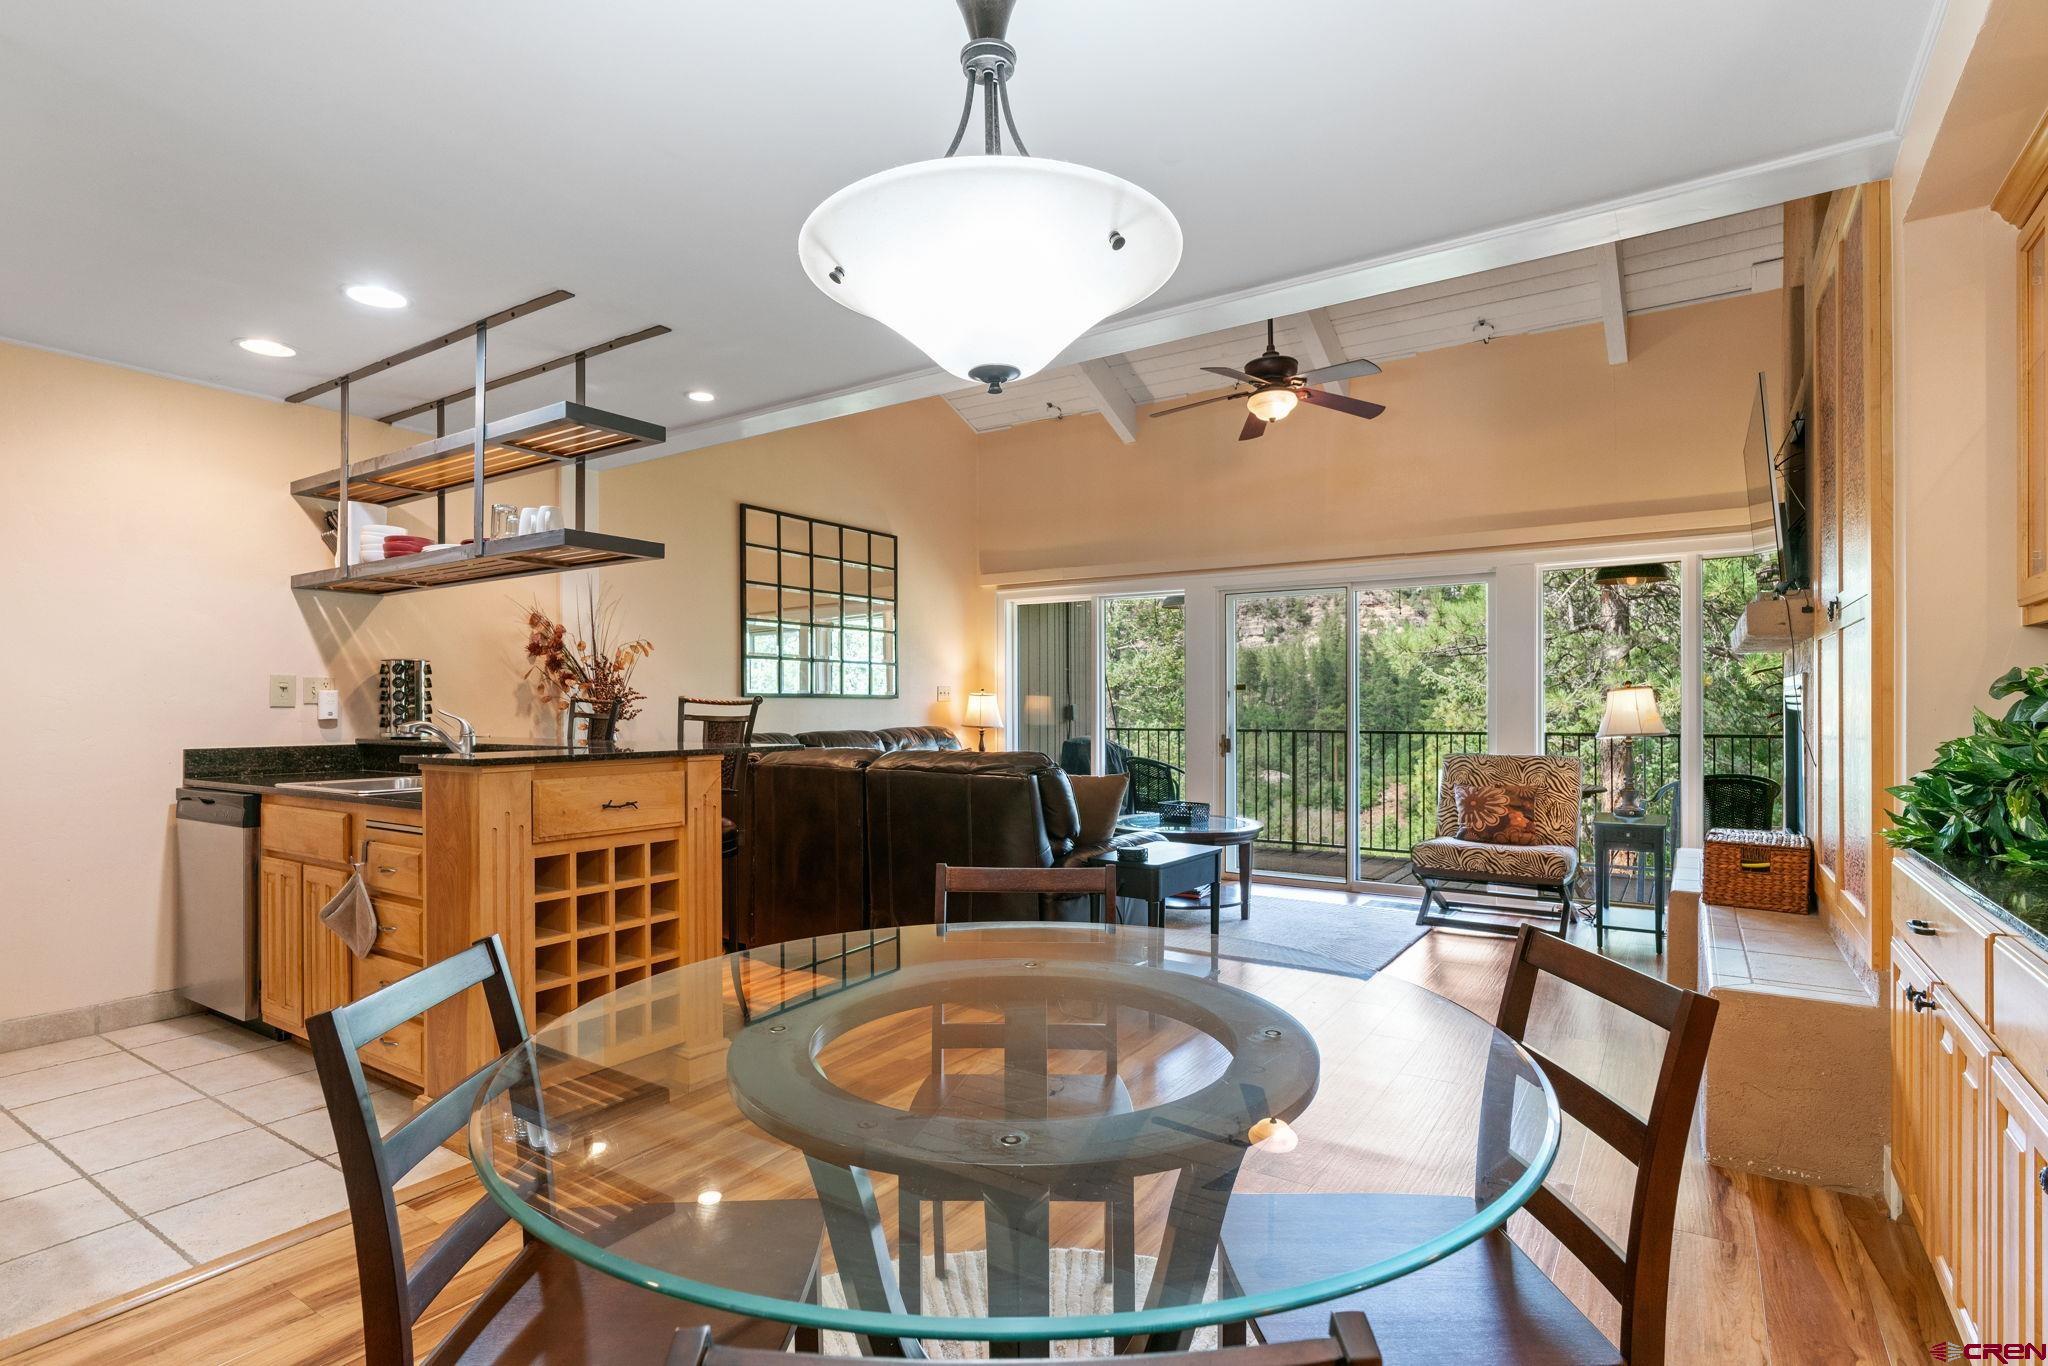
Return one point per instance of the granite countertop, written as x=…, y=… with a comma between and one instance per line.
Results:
x=264, y=769
x=2015, y=897
x=487, y=756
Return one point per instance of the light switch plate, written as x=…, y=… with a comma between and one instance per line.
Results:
x=283, y=688
x=310, y=688
x=945, y=692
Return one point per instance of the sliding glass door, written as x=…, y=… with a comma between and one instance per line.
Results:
x=1422, y=695
x=1290, y=676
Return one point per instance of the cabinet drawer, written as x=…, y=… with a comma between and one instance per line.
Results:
x=2019, y=1007
x=1953, y=941
x=399, y=932
x=380, y=970
x=598, y=804
x=402, y=1051
x=393, y=868
x=311, y=832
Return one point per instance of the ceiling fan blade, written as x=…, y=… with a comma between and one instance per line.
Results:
x=1253, y=428
x=1238, y=375
x=1199, y=403
x=1350, y=369
x=1357, y=407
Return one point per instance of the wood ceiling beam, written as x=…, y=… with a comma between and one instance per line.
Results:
x=1112, y=400
x=1319, y=344
x=1613, y=308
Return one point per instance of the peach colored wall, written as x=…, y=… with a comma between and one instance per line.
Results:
x=1527, y=440
x=907, y=469
x=147, y=528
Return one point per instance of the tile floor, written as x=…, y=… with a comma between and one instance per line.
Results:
x=130, y=1156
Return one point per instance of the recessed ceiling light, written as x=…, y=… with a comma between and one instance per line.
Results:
x=264, y=346
x=375, y=296
x=701, y=396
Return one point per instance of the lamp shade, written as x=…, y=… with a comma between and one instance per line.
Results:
x=990, y=265
x=982, y=711
x=1631, y=710
x=1038, y=709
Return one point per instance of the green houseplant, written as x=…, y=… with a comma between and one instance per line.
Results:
x=1986, y=795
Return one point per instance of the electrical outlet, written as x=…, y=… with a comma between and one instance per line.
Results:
x=945, y=692
x=282, y=689
x=310, y=689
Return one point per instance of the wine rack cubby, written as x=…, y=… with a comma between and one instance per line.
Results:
x=606, y=913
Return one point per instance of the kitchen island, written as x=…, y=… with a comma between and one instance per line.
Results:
x=596, y=870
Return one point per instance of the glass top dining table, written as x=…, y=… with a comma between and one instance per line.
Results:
x=1050, y=1121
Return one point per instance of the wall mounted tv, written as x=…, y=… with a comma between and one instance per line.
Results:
x=1776, y=480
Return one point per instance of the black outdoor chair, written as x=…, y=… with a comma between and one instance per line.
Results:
x=1152, y=783
x=1739, y=801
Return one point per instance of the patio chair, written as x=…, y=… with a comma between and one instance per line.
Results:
x=1523, y=834
x=1152, y=783
x=1739, y=801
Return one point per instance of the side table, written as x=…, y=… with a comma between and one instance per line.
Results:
x=1645, y=836
x=1167, y=870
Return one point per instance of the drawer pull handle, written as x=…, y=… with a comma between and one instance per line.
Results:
x=387, y=929
x=389, y=1043
x=1922, y=1000
x=386, y=869
x=1920, y=926
x=1756, y=866
x=620, y=806
x=2042, y=1180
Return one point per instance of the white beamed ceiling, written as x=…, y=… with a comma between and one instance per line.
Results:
x=1739, y=254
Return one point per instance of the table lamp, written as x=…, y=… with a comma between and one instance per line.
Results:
x=984, y=715
x=1631, y=711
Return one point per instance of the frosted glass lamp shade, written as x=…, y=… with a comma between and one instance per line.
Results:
x=1631, y=710
x=990, y=265
x=982, y=711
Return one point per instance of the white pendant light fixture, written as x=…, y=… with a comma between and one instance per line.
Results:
x=990, y=265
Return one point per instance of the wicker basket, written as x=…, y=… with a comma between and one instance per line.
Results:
x=1764, y=870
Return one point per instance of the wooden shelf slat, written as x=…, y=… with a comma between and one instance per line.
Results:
x=542, y=552
x=512, y=445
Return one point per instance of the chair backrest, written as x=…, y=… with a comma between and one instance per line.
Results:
x=1350, y=1343
x=1086, y=881
x=1637, y=1274
x=1556, y=778
x=725, y=724
x=1739, y=801
x=372, y=1165
x=1152, y=782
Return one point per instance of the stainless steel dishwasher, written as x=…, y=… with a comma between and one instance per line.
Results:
x=216, y=936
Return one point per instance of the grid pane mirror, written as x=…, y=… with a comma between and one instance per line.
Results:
x=817, y=607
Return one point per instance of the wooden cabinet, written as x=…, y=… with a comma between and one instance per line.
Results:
x=2015, y=1210
x=278, y=937
x=1969, y=1126
x=305, y=968
x=2023, y=201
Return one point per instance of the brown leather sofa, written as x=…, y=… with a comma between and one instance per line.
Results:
x=888, y=740
x=848, y=839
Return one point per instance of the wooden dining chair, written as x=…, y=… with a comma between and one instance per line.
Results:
x=942, y=1091
x=1489, y=1301
x=1349, y=1342
x=544, y=1306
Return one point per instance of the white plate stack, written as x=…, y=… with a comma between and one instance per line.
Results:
x=370, y=542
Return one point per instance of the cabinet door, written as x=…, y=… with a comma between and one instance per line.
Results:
x=2016, y=1210
x=2033, y=491
x=278, y=925
x=1959, y=1113
x=1913, y=1034
x=326, y=959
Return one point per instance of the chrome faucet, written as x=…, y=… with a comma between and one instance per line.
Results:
x=462, y=742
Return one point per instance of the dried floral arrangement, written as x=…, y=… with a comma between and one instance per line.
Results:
x=593, y=666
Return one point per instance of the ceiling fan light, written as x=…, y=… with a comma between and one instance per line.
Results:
x=991, y=263
x=1270, y=405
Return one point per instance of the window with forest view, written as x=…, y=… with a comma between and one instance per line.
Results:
x=1144, y=676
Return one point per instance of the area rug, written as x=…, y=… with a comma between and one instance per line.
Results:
x=1365, y=933
x=1077, y=1289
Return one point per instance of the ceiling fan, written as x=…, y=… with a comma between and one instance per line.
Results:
x=1277, y=385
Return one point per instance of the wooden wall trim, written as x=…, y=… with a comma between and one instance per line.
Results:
x=2027, y=182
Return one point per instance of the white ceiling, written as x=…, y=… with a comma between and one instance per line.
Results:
x=1718, y=259
x=179, y=175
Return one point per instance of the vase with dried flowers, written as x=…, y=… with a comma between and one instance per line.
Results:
x=589, y=675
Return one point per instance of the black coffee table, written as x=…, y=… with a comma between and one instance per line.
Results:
x=1223, y=831
x=1169, y=869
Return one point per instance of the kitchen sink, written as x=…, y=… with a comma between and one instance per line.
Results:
x=366, y=785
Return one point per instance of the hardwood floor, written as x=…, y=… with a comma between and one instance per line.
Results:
x=1764, y=1270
